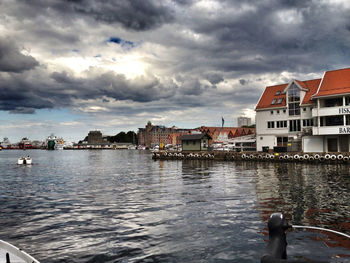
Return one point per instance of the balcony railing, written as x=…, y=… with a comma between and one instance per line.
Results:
x=330, y=111
x=331, y=130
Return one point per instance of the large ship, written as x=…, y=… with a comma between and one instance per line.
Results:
x=25, y=143
x=50, y=142
x=54, y=143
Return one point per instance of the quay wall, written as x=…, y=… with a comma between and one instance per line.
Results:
x=255, y=156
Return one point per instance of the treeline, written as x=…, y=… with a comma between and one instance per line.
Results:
x=130, y=136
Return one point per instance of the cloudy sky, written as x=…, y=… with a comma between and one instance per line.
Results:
x=70, y=66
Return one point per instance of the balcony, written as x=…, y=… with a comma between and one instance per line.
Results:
x=328, y=111
x=331, y=130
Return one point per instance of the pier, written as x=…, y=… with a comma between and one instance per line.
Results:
x=328, y=158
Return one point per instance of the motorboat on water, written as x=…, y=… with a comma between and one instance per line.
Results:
x=24, y=160
x=9, y=253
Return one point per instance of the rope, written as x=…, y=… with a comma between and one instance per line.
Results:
x=320, y=228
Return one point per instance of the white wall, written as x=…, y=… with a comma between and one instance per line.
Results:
x=313, y=144
x=265, y=140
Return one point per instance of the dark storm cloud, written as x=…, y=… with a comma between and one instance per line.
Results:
x=274, y=36
x=136, y=15
x=237, y=43
x=12, y=60
x=60, y=90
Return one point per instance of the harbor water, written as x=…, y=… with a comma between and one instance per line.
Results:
x=122, y=206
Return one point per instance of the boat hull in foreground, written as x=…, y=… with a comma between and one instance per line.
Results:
x=14, y=254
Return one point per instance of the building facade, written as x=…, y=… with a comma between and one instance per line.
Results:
x=153, y=135
x=309, y=116
x=243, y=121
x=195, y=142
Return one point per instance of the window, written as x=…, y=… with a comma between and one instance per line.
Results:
x=278, y=112
x=279, y=100
x=273, y=101
x=270, y=124
x=282, y=141
x=278, y=93
x=347, y=119
x=271, y=112
x=347, y=101
x=332, y=120
x=294, y=100
x=281, y=124
x=284, y=111
x=294, y=125
x=308, y=122
x=304, y=109
x=335, y=102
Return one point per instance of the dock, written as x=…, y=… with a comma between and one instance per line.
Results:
x=255, y=156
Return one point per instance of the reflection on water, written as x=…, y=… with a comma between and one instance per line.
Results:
x=121, y=206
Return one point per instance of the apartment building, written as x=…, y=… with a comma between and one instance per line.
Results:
x=309, y=116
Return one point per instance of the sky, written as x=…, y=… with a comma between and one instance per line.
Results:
x=71, y=66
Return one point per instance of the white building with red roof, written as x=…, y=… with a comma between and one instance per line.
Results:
x=309, y=116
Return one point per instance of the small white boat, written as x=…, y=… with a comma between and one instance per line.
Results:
x=10, y=253
x=24, y=160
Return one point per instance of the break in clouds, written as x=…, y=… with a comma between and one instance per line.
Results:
x=163, y=55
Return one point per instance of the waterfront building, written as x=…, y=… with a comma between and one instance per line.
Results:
x=309, y=116
x=243, y=121
x=223, y=134
x=195, y=142
x=153, y=135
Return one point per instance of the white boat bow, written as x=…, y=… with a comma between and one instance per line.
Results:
x=14, y=254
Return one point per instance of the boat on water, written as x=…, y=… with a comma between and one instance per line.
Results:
x=54, y=143
x=24, y=160
x=9, y=253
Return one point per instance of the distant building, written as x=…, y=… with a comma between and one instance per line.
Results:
x=95, y=137
x=223, y=134
x=195, y=142
x=243, y=121
x=153, y=135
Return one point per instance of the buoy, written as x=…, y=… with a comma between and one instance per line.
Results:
x=306, y=156
x=333, y=157
x=243, y=156
x=317, y=156
x=340, y=157
x=281, y=157
x=346, y=158
x=322, y=158
x=296, y=157
x=251, y=156
x=272, y=156
x=260, y=156
x=285, y=157
x=311, y=158
x=327, y=156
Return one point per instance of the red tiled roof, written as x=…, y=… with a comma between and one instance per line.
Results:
x=311, y=86
x=270, y=94
x=334, y=82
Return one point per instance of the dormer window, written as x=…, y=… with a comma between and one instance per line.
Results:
x=278, y=93
x=273, y=101
x=279, y=100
